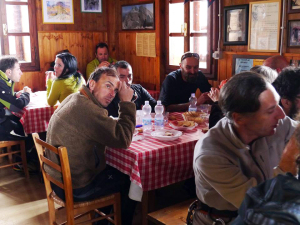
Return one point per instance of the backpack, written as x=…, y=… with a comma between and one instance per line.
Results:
x=273, y=202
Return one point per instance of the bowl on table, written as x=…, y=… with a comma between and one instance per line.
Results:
x=166, y=135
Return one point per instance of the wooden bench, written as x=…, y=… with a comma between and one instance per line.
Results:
x=172, y=215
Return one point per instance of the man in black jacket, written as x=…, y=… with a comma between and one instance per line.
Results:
x=10, y=72
x=180, y=84
x=140, y=94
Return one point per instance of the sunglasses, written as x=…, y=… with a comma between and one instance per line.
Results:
x=188, y=55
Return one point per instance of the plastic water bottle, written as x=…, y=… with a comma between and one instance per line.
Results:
x=193, y=102
x=159, y=118
x=147, y=125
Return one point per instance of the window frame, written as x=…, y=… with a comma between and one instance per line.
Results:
x=212, y=31
x=34, y=65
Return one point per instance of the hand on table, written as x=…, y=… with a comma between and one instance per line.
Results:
x=25, y=89
x=214, y=94
x=125, y=92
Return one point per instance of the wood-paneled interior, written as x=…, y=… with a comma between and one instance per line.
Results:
x=88, y=30
x=91, y=28
x=225, y=64
x=80, y=44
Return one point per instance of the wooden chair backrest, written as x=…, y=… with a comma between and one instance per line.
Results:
x=63, y=168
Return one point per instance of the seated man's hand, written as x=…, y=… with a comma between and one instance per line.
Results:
x=214, y=94
x=18, y=94
x=291, y=151
x=104, y=64
x=27, y=89
x=203, y=98
x=125, y=92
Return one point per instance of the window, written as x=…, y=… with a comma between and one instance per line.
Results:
x=18, y=33
x=190, y=28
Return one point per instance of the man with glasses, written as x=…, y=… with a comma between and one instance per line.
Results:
x=287, y=85
x=180, y=84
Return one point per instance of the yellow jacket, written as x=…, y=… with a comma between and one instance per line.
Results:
x=59, y=89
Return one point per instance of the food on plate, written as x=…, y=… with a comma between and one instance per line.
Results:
x=194, y=116
x=168, y=133
x=184, y=123
x=172, y=117
x=140, y=130
x=204, y=130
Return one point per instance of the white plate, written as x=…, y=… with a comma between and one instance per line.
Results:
x=183, y=128
x=159, y=134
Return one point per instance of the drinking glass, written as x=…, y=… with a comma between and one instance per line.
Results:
x=166, y=118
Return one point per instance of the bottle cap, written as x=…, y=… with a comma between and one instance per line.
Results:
x=146, y=102
x=193, y=94
x=158, y=102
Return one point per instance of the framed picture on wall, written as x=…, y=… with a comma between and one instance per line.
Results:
x=91, y=6
x=236, y=25
x=293, y=6
x=58, y=11
x=138, y=17
x=264, y=26
x=241, y=63
x=294, y=33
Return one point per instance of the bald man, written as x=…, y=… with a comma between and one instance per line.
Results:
x=276, y=62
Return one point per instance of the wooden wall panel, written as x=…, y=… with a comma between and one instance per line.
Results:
x=80, y=44
x=145, y=69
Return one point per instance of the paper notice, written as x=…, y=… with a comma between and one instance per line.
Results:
x=145, y=44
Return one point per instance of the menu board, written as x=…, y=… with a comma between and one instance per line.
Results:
x=243, y=64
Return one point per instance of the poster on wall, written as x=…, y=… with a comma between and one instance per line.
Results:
x=91, y=6
x=138, y=17
x=242, y=64
x=58, y=11
x=264, y=27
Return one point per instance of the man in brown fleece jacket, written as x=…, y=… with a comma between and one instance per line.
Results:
x=82, y=125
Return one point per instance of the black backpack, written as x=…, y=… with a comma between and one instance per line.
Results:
x=274, y=202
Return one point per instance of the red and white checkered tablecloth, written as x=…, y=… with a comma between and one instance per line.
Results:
x=152, y=164
x=36, y=115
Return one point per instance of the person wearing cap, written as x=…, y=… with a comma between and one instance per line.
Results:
x=180, y=84
x=102, y=59
x=124, y=71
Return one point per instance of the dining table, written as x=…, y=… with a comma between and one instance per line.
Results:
x=152, y=164
x=36, y=115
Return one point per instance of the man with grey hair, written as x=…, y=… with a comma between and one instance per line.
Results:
x=141, y=95
x=81, y=124
x=241, y=150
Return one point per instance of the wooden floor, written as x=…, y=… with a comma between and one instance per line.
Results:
x=23, y=201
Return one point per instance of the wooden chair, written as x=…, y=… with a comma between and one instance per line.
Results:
x=10, y=153
x=172, y=215
x=73, y=210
